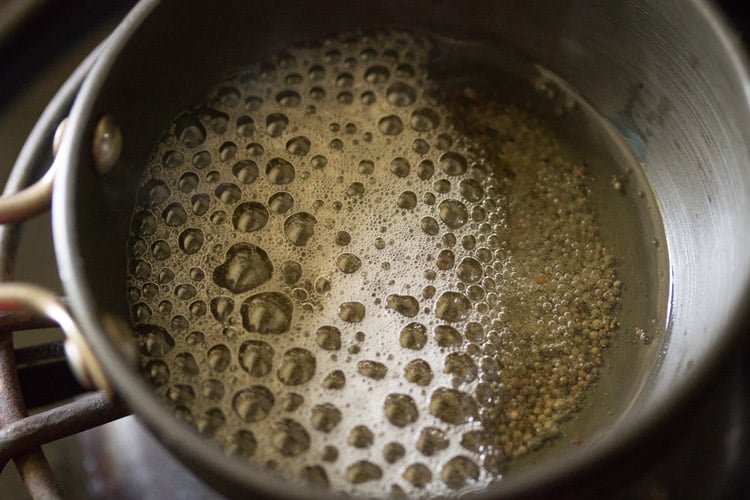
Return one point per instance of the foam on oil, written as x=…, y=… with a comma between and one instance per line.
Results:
x=365, y=272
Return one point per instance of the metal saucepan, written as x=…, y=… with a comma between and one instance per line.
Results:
x=668, y=74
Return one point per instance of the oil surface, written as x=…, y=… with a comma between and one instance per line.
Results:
x=347, y=269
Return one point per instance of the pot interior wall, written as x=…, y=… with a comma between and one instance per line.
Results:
x=660, y=74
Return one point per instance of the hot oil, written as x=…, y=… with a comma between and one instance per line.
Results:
x=360, y=264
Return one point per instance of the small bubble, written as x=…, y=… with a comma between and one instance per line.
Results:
x=267, y=312
x=330, y=453
x=325, y=417
x=453, y=406
x=372, y=369
x=452, y=307
x=298, y=146
x=458, y=472
x=345, y=98
x=367, y=98
x=447, y=336
x=377, y=74
x=446, y=260
x=403, y=304
x=228, y=97
x=363, y=471
x=344, y=80
x=276, y=124
x=144, y=224
x=390, y=125
x=189, y=131
x=198, y=309
x=200, y=204
x=157, y=373
x=441, y=186
x=418, y=372
x=186, y=365
x=280, y=171
x=249, y=217
x=290, y=438
x=443, y=142
x=246, y=267
x=407, y=200
x=155, y=192
x=348, y=263
x=253, y=404
x=202, y=159
x=474, y=332
x=431, y=440
x=256, y=357
x=400, y=410
x=161, y=250
x=172, y=159
x=185, y=292
x=315, y=475
x=181, y=394
x=227, y=151
x=191, y=240
x=343, y=238
x=401, y=94
x=430, y=226
x=361, y=437
x=188, y=182
x=453, y=213
x=219, y=358
x=246, y=171
x=355, y=189
x=280, y=203
x=318, y=161
x=400, y=167
x=328, y=338
x=242, y=444
x=413, y=336
x=424, y=119
x=299, y=228
x=351, y=312
x=253, y=103
x=210, y=422
x=316, y=73
x=471, y=190
x=288, y=98
x=461, y=366
x=174, y=215
x=468, y=242
x=366, y=167
x=297, y=366
x=291, y=401
x=317, y=93
x=453, y=163
x=334, y=380
x=245, y=126
x=418, y=475
x=392, y=452
x=322, y=285
x=469, y=270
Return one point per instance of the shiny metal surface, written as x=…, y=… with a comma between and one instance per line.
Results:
x=669, y=75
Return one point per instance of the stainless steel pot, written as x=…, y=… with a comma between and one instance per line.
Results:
x=669, y=75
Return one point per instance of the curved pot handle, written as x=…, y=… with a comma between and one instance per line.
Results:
x=19, y=203
x=29, y=202
x=27, y=297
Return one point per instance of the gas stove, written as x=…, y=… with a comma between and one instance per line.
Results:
x=40, y=44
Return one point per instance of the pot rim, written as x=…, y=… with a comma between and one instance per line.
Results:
x=212, y=462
